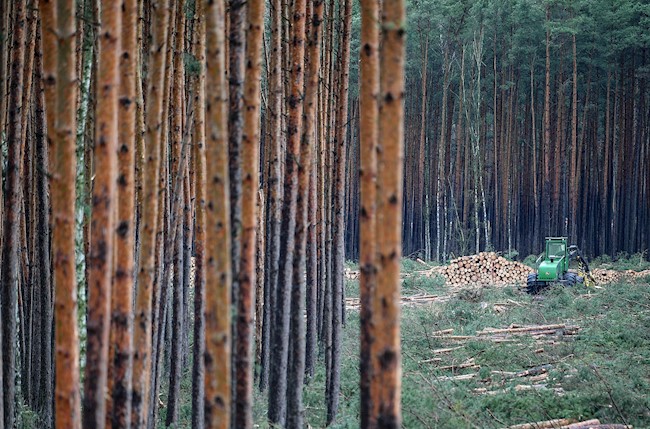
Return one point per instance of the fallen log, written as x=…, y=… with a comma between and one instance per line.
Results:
x=447, y=350
x=490, y=331
x=544, y=425
x=601, y=426
x=457, y=377
x=582, y=425
x=541, y=369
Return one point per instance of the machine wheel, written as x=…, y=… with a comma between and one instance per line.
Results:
x=570, y=279
x=533, y=286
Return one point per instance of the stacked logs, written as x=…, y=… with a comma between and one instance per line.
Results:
x=603, y=276
x=485, y=269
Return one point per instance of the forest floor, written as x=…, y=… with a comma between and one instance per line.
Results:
x=573, y=354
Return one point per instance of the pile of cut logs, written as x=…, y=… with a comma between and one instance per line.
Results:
x=486, y=268
x=603, y=276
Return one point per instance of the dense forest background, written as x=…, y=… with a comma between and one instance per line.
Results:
x=524, y=119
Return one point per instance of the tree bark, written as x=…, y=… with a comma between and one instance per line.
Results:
x=102, y=219
x=244, y=358
x=58, y=81
x=369, y=129
x=338, y=216
x=12, y=212
x=123, y=276
x=43, y=249
x=273, y=188
x=218, y=246
x=198, y=364
x=177, y=191
x=386, y=353
x=236, y=56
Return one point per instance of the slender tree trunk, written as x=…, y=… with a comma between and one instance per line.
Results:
x=11, y=229
x=311, y=348
x=295, y=410
x=102, y=220
x=606, y=167
x=178, y=172
x=441, y=154
x=142, y=358
x=338, y=215
x=43, y=249
x=280, y=335
x=122, y=293
x=218, y=246
x=198, y=364
x=58, y=80
x=236, y=58
x=368, y=123
x=244, y=358
x=273, y=188
x=386, y=353
x=547, y=133
x=573, y=180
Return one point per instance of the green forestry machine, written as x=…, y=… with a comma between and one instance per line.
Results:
x=554, y=268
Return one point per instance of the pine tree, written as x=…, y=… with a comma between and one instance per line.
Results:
x=142, y=358
x=218, y=247
x=244, y=359
x=198, y=364
x=11, y=220
x=368, y=124
x=386, y=351
x=102, y=219
x=58, y=78
x=122, y=293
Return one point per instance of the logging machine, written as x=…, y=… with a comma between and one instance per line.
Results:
x=554, y=268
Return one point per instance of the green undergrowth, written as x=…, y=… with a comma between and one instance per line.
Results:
x=602, y=372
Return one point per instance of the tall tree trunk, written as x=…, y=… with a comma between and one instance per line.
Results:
x=386, y=351
x=573, y=179
x=440, y=178
x=142, y=358
x=122, y=294
x=546, y=190
x=198, y=364
x=218, y=257
x=606, y=168
x=282, y=308
x=244, y=359
x=236, y=57
x=311, y=347
x=58, y=80
x=369, y=130
x=338, y=214
x=102, y=220
x=43, y=246
x=273, y=188
x=178, y=172
x=295, y=410
x=11, y=229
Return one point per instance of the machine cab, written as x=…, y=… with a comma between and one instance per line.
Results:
x=556, y=261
